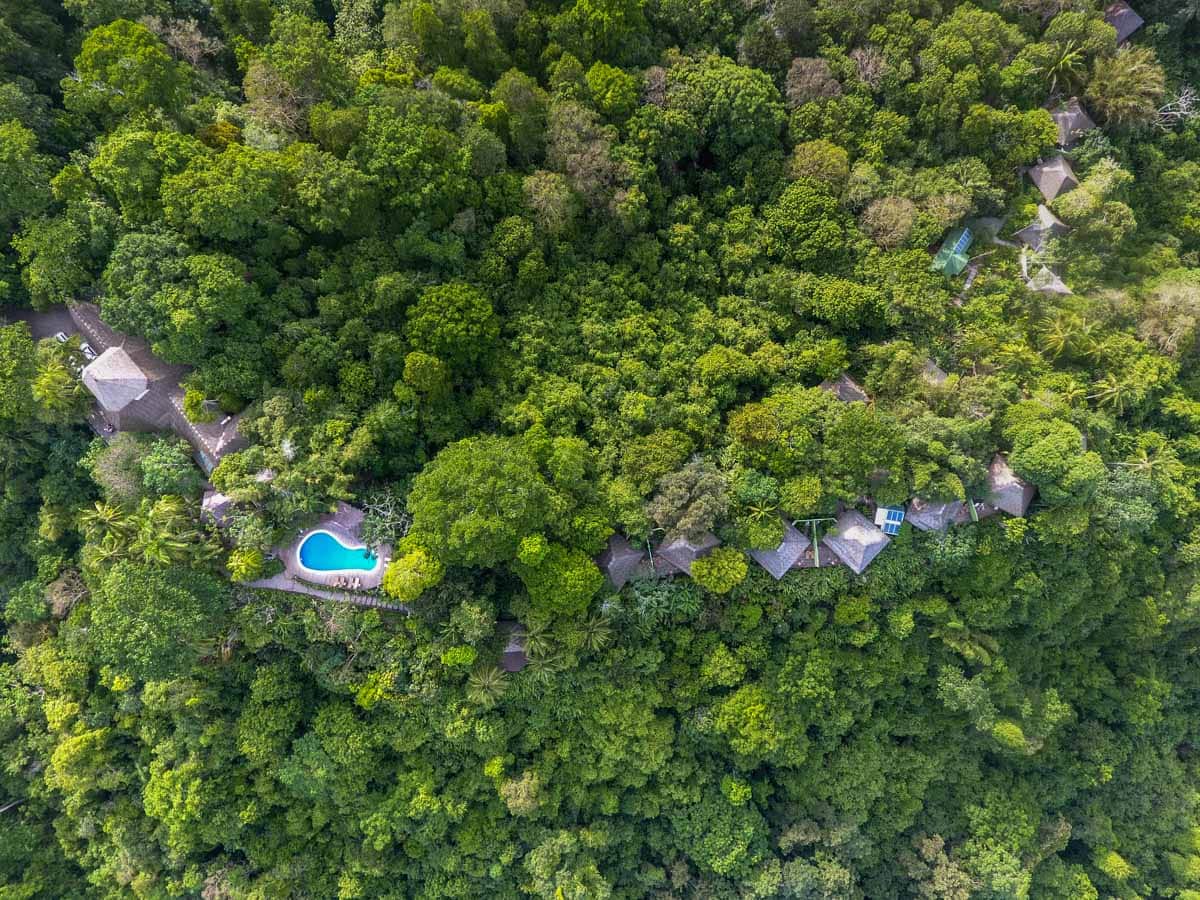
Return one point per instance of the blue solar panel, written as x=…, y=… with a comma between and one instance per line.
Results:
x=964, y=241
x=893, y=517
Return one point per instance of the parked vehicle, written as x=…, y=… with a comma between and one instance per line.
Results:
x=88, y=350
x=61, y=337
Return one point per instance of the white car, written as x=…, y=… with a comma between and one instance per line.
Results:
x=61, y=337
x=88, y=350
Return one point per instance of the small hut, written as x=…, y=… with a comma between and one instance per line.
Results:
x=929, y=516
x=855, y=541
x=933, y=373
x=1121, y=16
x=846, y=389
x=1072, y=122
x=1054, y=177
x=514, y=656
x=952, y=258
x=678, y=554
x=1006, y=491
x=116, y=381
x=620, y=560
x=1046, y=281
x=1046, y=225
x=778, y=561
x=216, y=507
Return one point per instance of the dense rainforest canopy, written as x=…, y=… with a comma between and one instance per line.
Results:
x=517, y=275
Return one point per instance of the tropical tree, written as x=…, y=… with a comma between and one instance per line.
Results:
x=1127, y=87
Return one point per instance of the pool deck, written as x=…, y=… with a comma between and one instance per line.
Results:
x=344, y=524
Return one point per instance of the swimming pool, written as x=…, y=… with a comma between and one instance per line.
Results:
x=321, y=551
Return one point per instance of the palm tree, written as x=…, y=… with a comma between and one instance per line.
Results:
x=165, y=534
x=1088, y=343
x=1063, y=65
x=596, y=634
x=104, y=519
x=1127, y=87
x=486, y=686
x=1151, y=458
x=61, y=395
x=538, y=642
x=545, y=667
x=107, y=549
x=1058, y=335
x=1114, y=393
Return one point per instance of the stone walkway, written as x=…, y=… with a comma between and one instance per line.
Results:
x=285, y=582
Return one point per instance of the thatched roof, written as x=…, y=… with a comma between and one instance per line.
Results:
x=786, y=555
x=620, y=560
x=680, y=553
x=855, y=541
x=1046, y=281
x=1072, y=121
x=514, y=657
x=1006, y=491
x=925, y=515
x=115, y=379
x=1045, y=225
x=216, y=506
x=845, y=389
x=1121, y=16
x=933, y=373
x=1054, y=177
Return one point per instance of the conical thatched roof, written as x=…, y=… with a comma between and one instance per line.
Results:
x=619, y=560
x=845, y=389
x=1072, y=121
x=115, y=379
x=933, y=373
x=855, y=541
x=1045, y=225
x=1054, y=177
x=681, y=552
x=1006, y=491
x=1046, y=281
x=783, y=557
x=1121, y=16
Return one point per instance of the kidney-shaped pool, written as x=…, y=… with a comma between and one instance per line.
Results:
x=321, y=551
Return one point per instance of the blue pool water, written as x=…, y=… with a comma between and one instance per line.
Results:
x=322, y=552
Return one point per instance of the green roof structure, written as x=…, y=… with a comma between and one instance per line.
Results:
x=952, y=258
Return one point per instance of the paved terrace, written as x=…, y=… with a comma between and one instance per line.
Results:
x=161, y=408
